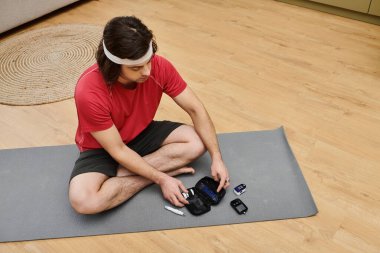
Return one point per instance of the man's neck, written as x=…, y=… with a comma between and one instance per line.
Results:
x=127, y=84
x=130, y=86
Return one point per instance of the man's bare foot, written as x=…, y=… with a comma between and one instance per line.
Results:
x=180, y=171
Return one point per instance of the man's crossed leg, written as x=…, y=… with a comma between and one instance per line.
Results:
x=94, y=192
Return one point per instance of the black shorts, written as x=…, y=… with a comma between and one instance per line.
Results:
x=148, y=141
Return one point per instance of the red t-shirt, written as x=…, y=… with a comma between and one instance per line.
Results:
x=100, y=106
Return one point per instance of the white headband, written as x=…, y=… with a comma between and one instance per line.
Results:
x=129, y=62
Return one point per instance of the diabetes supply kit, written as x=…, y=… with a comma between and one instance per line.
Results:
x=203, y=195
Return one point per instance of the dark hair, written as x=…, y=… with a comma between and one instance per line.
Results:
x=125, y=37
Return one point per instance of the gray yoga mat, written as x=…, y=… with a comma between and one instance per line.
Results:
x=34, y=183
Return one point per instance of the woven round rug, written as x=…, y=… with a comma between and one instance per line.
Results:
x=43, y=66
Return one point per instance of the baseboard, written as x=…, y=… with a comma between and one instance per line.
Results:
x=335, y=10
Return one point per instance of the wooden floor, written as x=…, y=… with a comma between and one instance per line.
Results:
x=256, y=65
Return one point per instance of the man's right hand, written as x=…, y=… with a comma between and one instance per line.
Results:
x=171, y=190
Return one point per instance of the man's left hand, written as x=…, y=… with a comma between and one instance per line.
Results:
x=219, y=173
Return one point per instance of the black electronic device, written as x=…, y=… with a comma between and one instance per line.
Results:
x=203, y=195
x=239, y=206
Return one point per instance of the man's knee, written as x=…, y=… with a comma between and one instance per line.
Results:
x=193, y=144
x=84, y=202
x=197, y=147
x=83, y=192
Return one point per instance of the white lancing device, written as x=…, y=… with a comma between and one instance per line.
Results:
x=173, y=210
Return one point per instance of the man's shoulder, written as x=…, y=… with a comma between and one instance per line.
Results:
x=90, y=82
x=162, y=66
x=91, y=73
x=91, y=79
x=161, y=61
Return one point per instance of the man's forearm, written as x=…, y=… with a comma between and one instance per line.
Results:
x=136, y=164
x=205, y=128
